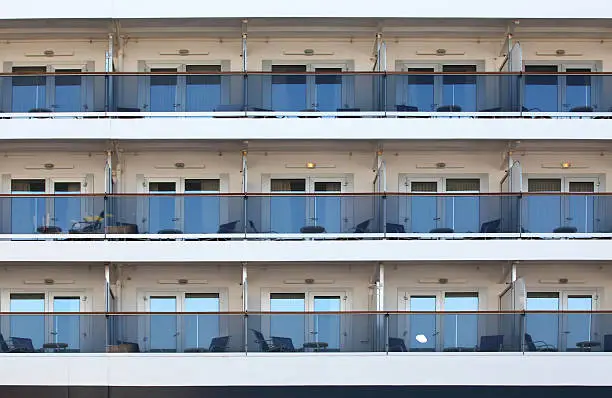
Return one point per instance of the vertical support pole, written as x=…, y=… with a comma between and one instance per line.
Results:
x=245, y=305
x=380, y=305
x=245, y=182
x=382, y=188
x=108, y=67
x=245, y=64
x=107, y=297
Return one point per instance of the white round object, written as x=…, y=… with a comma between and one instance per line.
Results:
x=421, y=338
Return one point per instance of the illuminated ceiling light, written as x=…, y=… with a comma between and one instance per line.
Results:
x=566, y=165
x=311, y=165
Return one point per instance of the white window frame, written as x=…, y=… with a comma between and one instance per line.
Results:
x=179, y=292
x=437, y=66
x=348, y=85
x=144, y=84
x=563, y=66
x=345, y=295
x=403, y=303
x=87, y=84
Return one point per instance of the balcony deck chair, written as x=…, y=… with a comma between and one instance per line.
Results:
x=264, y=345
x=568, y=229
x=494, y=343
x=397, y=345
x=93, y=226
x=217, y=344
x=3, y=345
x=607, y=343
x=284, y=344
x=22, y=344
x=582, y=109
x=442, y=231
x=538, y=346
x=312, y=229
x=349, y=110
x=228, y=228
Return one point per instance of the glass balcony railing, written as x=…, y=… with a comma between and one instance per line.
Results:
x=308, y=94
x=307, y=332
x=323, y=215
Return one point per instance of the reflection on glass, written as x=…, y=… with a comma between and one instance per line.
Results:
x=163, y=91
x=287, y=325
x=543, y=327
x=201, y=329
x=460, y=330
x=287, y=213
x=327, y=326
x=67, y=328
x=423, y=328
x=424, y=213
x=68, y=92
x=163, y=328
x=328, y=90
x=289, y=90
x=67, y=210
x=544, y=212
x=162, y=207
x=581, y=212
x=28, y=326
x=579, y=326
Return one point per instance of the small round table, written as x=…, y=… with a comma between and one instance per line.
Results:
x=316, y=346
x=587, y=346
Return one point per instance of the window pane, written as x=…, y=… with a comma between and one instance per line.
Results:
x=28, y=326
x=461, y=330
x=423, y=330
x=328, y=90
x=288, y=325
x=421, y=90
x=29, y=91
x=68, y=91
x=544, y=185
x=203, y=91
x=163, y=328
x=327, y=327
x=424, y=186
x=67, y=328
x=541, y=90
x=163, y=90
x=202, y=185
x=289, y=88
x=460, y=89
x=578, y=88
x=27, y=213
x=201, y=329
x=462, y=184
x=543, y=327
x=579, y=326
x=581, y=186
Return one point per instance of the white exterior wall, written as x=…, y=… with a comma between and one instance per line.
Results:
x=70, y=166
x=82, y=279
x=356, y=53
x=132, y=282
x=336, y=8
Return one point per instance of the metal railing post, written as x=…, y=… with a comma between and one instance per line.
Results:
x=386, y=327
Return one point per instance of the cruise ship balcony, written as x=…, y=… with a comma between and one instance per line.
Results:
x=294, y=92
x=386, y=333
x=290, y=216
x=197, y=106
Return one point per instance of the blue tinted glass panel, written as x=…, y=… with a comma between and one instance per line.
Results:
x=462, y=213
x=162, y=207
x=543, y=327
x=329, y=90
x=68, y=94
x=201, y=329
x=460, y=330
x=579, y=325
x=423, y=328
x=29, y=92
x=292, y=326
x=163, y=92
x=28, y=326
x=67, y=328
x=288, y=214
x=203, y=93
x=163, y=328
x=541, y=90
x=423, y=213
x=327, y=326
x=578, y=89
x=460, y=89
x=420, y=90
x=289, y=88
